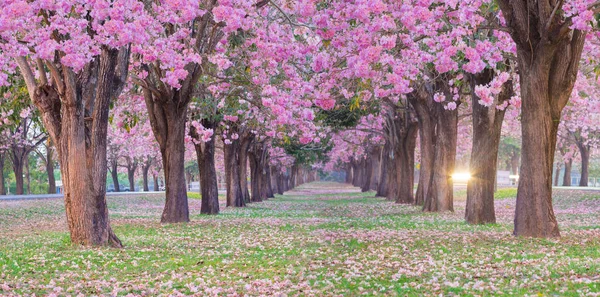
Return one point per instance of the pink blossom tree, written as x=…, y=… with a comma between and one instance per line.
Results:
x=549, y=38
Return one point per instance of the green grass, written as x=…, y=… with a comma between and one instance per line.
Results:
x=503, y=193
x=197, y=196
x=319, y=240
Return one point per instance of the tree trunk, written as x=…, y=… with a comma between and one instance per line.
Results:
x=167, y=112
x=487, y=126
x=246, y=139
x=363, y=172
x=255, y=176
x=18, y=163
x=131, y=168
x=155, y=186
x=27, y=174
x=267, y=177
x=548, y=56
x=280, y=182
x=77, y=122
x=440, y=196
x=557, y=173
x=355, y=174
x=348, y=177
x=85, y=187
x=172, y=149
x=115, y=174
x=368, y=173
x=514, y=162
x=294, y=173
x=145, y=170
x=376, y=168
x=422, y=107
x=2, y=180
x=235, y=197
x=584, y=150
x=382, y=189
x=274, y=177
x=50, y=170
x=567, y=175
x=392, y=173
x=287, y=183
x=534, y=214
x=205, y=153
x=405, y=162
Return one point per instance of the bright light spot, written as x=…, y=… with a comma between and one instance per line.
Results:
x=461, y=176
x=513, y=176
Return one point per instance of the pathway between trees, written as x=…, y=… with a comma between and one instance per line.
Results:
x=321, y=239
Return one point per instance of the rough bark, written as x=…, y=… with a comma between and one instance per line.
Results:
x=235, y=197
x=145, y=170
x=274, y=174
x=50, y=170
x=27, y=174
x=293, y=177
x=567, y=175
x=423, y=104
x=355, y=173
x=548, y=52
x=267, y=177
x=392, y=172
x=360, y=173
x=167, y=113
x=155, y=186
x=74, y=109
x=400, y=130
x=167, y=109
x=584, y=150
x=376, y=167
x=440, y=196
x=438, y=129
x=246, y=139
x=534, y=213
x=132, y=165
x=281, y=185
x=115, y=174
x=205, y=153
x=18, y=164
x=255, y=178
x=487, y=126
x=145, y=179
x=382, y=189
x=368, y=173
x=2, y=180
x=405, y=162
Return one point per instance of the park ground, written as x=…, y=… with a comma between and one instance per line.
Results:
x=322, y=239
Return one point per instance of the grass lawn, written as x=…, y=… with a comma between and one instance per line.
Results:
x=322, y=239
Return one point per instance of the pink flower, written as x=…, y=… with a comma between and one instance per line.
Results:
x=231, y=118
x=325, y=104
x=484, y=94
x=25, y=113
x=451, y=105
x=305, y=139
